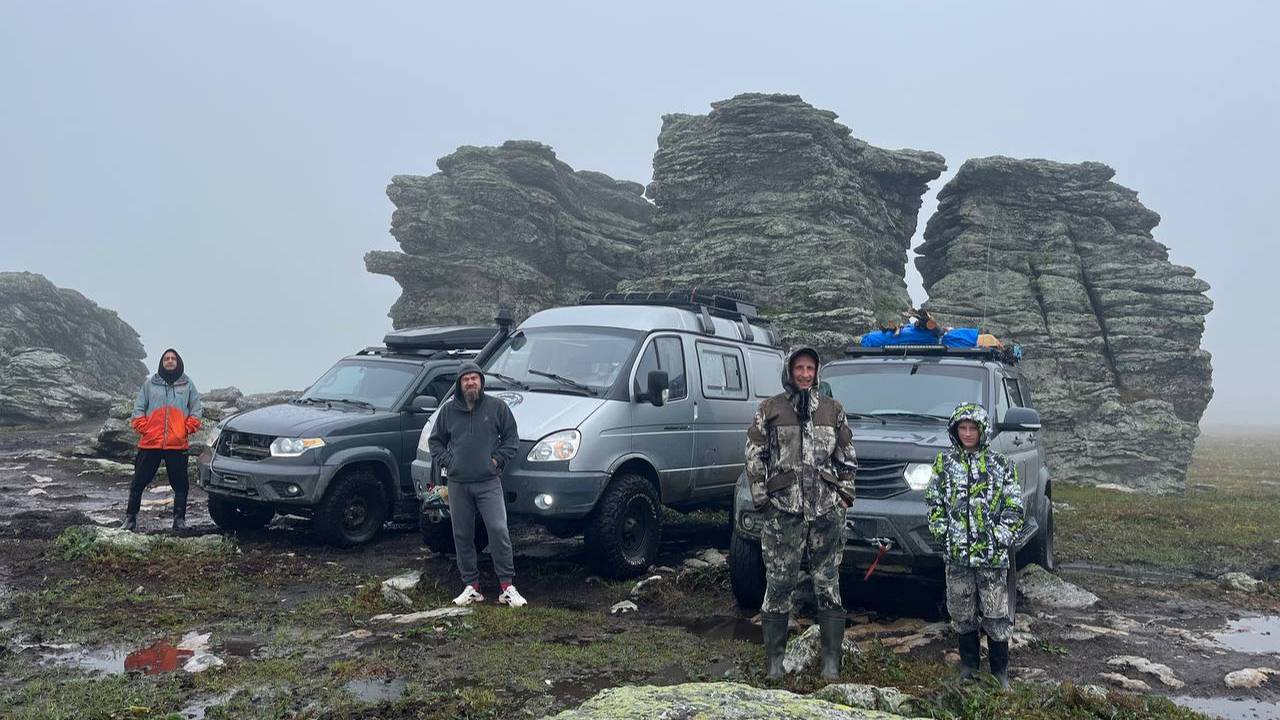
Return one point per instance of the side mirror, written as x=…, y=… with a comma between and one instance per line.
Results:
x=424, y=404
x=657, y=387
x=1020, y=419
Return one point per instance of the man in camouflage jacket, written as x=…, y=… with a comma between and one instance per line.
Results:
x=975, y=511
x=800, y=466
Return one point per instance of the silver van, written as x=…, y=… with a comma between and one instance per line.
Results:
x=625, y=402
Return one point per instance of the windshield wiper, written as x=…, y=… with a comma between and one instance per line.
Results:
x=309, y=400
x=564, y=381
x=904, y=413
x=865, y=416
x=358, y=403
x=519, y=385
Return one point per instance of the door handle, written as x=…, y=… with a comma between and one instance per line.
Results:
x=1017, y=439
x=675, y=427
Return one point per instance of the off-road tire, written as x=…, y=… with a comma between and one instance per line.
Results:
x=353, y=509
x=1040, y=548
x=625, y=528
x=231, y=515
x=437, y=535
x=746, y=572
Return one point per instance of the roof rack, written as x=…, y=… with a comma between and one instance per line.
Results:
x=425, y=354
x=717, y=303
x=446, y=337
x=1008, y=356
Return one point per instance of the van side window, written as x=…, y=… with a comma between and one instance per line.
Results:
x=766, y=373
x=721, y=368
x=1015, y=392
x=664, y=353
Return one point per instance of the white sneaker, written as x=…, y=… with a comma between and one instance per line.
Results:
x=469, y=595
x=512, y=597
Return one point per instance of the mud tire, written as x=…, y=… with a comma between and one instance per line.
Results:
x=746, y=573
x=1040, y=549
x=625, y=528
x=353, y=509
x=231, y=515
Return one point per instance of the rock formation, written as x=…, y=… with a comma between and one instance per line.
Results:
x=510, y=226
x=771, y=195
x=1061, y=260
x=62, y=358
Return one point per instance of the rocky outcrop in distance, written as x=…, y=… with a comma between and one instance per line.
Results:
x=1060, y=259
x=771, y=195
x=62, y=357
x=508, y=226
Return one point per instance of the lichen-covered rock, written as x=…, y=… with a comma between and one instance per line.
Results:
x=509, y=226
x=771, y=195
x=712, y=701
x=868, y=697
x=1059, y=259
x=1042, y=587
x=62, y=357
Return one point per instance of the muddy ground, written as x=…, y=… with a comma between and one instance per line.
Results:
x=291, y=625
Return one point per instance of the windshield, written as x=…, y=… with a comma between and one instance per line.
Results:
x=363, y=383
x=573, y=360
x=908, y=390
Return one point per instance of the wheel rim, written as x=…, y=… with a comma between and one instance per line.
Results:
x=356, y=513
x=636, y=527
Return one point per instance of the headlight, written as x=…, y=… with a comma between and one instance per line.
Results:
x=293, y=447
x=561, y=445
x=918, y=475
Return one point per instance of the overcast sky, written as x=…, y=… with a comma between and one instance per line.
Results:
x=216, y=171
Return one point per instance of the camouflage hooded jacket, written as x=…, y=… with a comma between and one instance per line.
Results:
x=974, y=498
x=802, y=466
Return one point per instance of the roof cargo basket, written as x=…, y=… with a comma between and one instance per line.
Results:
x=1008, y=356
x=449, y=337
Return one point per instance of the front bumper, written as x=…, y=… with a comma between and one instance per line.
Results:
x=573, y=493
x=294, y=484
x=899, y=520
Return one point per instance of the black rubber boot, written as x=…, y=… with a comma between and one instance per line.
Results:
x=130, y=523
x=999, y=652
x=775, y=642
x=831, y=625
x=969, y=654
x=179, y=512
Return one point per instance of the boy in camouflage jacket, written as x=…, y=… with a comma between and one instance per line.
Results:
x=975, y=511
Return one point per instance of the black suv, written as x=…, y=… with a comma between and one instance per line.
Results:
x=899, y=401
x=341, y=452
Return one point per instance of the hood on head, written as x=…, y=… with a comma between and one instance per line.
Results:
x=791, y=358
x=170, y=377
x=974, y=412
x=467, y=367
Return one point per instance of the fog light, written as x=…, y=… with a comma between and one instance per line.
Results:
x=543, y=501
x=292, y=489
x=748, y=521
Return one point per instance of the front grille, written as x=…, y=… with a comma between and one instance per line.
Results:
x=880, y=478
x=246, y=446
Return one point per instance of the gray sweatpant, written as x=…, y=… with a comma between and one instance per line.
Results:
x=465, y=499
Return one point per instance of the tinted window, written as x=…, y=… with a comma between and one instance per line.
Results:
x=721, y=369
x=887, y=388
x=1002, y=403
x=439, y=385
x=664, y=353
x=1015, y=392
x=766, y=373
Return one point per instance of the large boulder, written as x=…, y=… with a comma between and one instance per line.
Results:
x=713, y=701
x=62, y=357
x=510, y=226
x=771, y=195
x=1061, y=260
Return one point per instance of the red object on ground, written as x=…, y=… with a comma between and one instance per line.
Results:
x=159, y=657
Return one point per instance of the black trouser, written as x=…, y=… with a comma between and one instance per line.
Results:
x=145, y=466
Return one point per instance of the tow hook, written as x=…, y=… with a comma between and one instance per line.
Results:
x=882, y=545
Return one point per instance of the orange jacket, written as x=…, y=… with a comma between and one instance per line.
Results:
x=164, y=415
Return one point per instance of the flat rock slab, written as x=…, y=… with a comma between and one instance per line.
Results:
x=1044, y=588
x=445, y=612
x=115, y=537
x=712, y=701
x=1143, y=665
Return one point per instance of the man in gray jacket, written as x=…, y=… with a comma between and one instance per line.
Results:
x=473, y=438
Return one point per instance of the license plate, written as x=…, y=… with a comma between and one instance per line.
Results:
x=230, y=480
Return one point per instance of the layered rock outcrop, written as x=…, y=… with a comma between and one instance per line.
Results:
x=771, y=195
x=508, y=226
x=62, y=357
x=1061, y=260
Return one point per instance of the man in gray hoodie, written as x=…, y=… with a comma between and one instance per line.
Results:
x=473, y=438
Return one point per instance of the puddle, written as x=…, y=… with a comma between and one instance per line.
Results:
x=1256, y=635
x=377, y=690
x=241, y=647
x=110, y=661
x=1230, y=709
x=159, y=657
x=726, y=628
